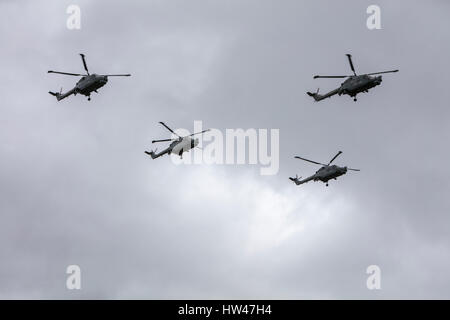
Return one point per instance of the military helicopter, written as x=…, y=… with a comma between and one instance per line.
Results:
x=178, y=145
x=353, y=85
x=327, y=172
x=87, y=84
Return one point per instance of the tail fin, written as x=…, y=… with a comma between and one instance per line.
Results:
x=296, y=180
x=56, y=94
x=151, y=154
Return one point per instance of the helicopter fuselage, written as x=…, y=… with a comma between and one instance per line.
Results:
x=329, y=172
x=356, y=84
x=324, y=174
x=183, y=145
x=90, y=83
x=177, y=147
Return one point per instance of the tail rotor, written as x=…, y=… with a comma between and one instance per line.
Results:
x=56, y=94
x=296, y=180
x=315, y=95
x=152, y=153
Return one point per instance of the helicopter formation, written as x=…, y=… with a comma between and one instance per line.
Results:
x=352, y=85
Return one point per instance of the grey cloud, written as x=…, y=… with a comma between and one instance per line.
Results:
x=76, y=187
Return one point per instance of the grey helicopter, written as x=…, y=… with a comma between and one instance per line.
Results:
x=178, y=145
x=325, y=173
x=87, y=84
x=353, y=85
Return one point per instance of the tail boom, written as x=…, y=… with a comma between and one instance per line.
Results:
x=155, y=155
x=298, y=180
x=319, y=97
x=59, y=96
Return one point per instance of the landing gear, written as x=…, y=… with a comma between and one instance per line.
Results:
x=326, y=185
x=89, y=98
x=354, y=99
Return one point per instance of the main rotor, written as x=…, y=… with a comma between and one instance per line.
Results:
x=325, y=165
x=179, y=137
x=87, y=71
x=352, y=67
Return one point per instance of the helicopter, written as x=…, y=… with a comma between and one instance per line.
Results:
x=327, y=172
x=87, y=84
x=353, y=85
x=178, y=145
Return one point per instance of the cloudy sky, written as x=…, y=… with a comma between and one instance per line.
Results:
x=76, y=187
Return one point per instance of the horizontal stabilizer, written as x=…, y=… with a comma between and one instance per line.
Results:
x=314, y=95
x=296, y=180
x=56, y=94
x=151, y=154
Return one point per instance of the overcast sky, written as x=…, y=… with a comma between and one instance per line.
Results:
x=76, y=187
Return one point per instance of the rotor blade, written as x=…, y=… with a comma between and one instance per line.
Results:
x=337, y=155
x=198, y=132
x=84, y=63
x=168, y=128
x=163, y=140
x=390, y=71
x=67, y=73
x=310, y=161
x=349, y=56
x=116, y=75
x=353, y=169
x=315, y=77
